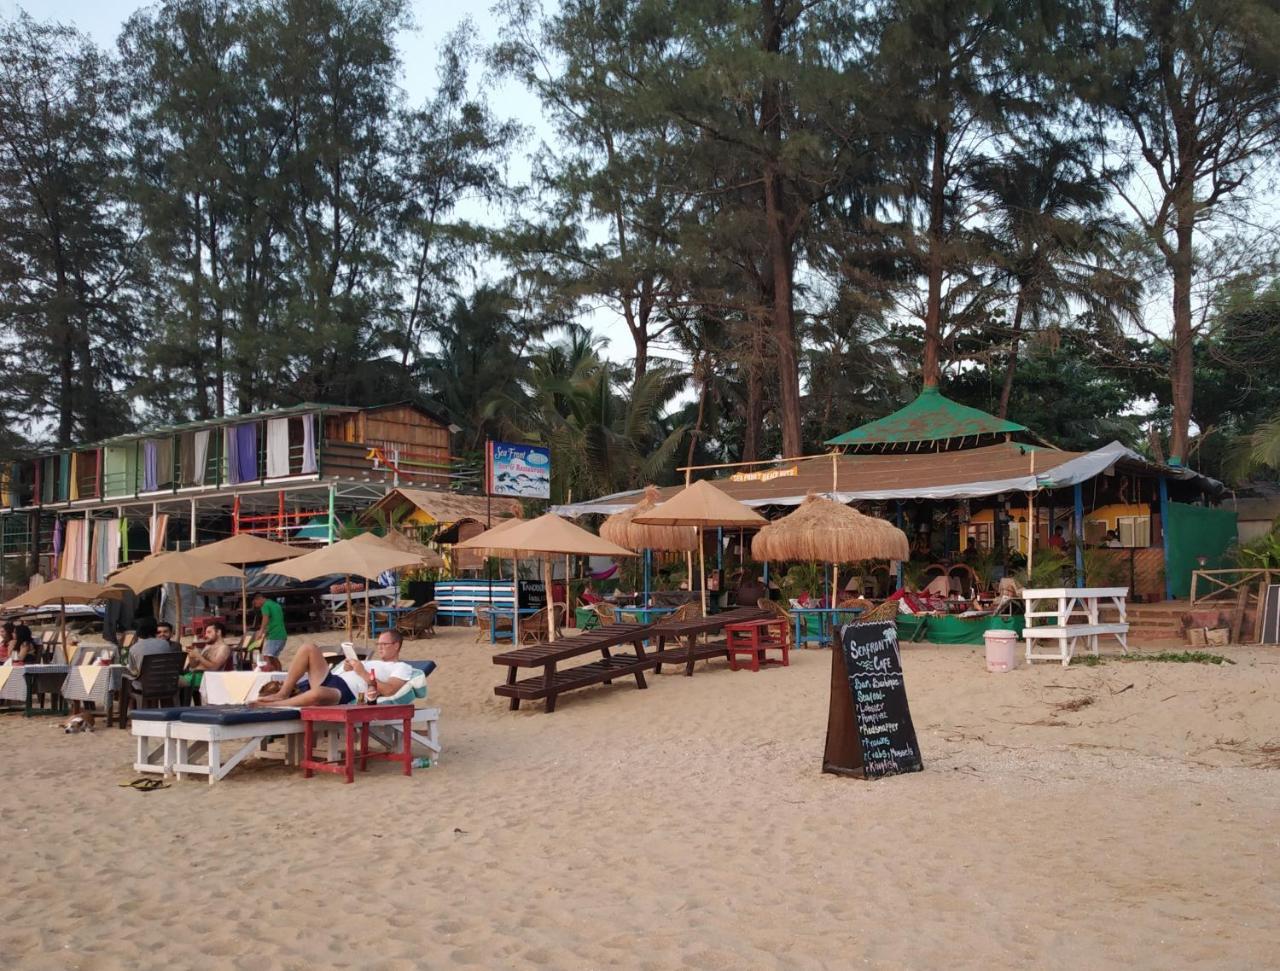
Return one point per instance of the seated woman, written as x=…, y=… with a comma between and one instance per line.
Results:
x=212, y=655
x=21, y=646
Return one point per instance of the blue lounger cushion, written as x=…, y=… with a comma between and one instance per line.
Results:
x=238, y=715
x=158, y=714
x=426, y=667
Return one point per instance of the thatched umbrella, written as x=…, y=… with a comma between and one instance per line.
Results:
x=701, y=505
x=241, y=550
x=621, y=528
x=62, y=592
x=824, y=531
x=549, y=534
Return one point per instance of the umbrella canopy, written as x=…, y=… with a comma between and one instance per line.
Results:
x=826, y=531
x=621, y=528
x=399, y=541
x=546, y=534
x=700, y=504
x=59, y=592
x=187, y=568
x=350, y=557
x=502, y=552
x=246, y=548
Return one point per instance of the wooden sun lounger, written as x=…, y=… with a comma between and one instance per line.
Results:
x=689, y=630
x=553, y=682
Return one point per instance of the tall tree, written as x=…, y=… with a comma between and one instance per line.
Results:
x=67, y=268
x=1051, y=241
x=1195, y=84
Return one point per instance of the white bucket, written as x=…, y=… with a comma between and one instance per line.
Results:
x=1002, y=650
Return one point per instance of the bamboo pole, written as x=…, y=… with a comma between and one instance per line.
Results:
x=702, y=570
x=1031, y=518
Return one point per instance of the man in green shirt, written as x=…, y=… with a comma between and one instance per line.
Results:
x=271, y=633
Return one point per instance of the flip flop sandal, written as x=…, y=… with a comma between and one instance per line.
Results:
x=145, y=785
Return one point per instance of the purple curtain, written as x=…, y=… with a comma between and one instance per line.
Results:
x=150, y=482
x=247, y=451
x=57, y=538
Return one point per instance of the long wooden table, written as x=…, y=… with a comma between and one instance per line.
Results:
x=554, y=682
x=688, y=631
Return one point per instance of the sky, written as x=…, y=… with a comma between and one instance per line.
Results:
x=433, y=19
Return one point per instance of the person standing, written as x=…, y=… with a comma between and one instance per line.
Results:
x=271, y=633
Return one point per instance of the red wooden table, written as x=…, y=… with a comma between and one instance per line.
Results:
x=354, y=717
x=752, y=638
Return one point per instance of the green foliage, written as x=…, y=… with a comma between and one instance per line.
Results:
x=802, y=578
x=1164, y=657
x=1049, y=568
x=1104, y=570
x=1261, y=553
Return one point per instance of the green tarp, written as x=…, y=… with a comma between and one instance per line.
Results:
x=953, y=630
x=931, y=417
x=1193, y=532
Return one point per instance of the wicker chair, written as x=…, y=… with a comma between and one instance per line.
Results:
x=534, y=627
x=775, y=608
x=885, y=611
x=689, y=611
x=607, y=613
x=419, y=622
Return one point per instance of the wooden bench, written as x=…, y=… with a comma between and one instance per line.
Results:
x=1076, y=617
x=688, y=631
x=554, y=682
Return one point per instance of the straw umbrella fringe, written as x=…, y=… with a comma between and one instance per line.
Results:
x=621, y=528
x=824, y=531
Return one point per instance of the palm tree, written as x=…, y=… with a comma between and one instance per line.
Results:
x=1051, y=240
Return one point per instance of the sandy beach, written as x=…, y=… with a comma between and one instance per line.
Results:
x=686, y=826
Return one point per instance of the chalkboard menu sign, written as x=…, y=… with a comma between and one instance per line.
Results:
x=533, y=594
x=1270, y=608
x=869, y=730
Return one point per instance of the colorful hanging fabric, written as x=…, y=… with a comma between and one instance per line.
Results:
x=149, y=483
x=164, y=463
x=309, y=445
x=277, y=448
x=73, y=479
x=247, y=450
x=200, y=456
x=231, y=449
x=64, y=476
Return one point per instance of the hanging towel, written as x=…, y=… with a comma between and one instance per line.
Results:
x=149, y=483
x=247, y=450
x=159, y=527
x=309, y=445
x=199, y=456
x=64, y=476
x=231, y=449
x=277, y=448
x=164, y=463
x=124, y=539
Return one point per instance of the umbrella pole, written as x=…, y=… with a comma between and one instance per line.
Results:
x=551, y=603
x=702, y=572
x=244, y=607
x=348, y=584
x=568, y=597
x=62, y=629
x=515, y=603
x=647, y=555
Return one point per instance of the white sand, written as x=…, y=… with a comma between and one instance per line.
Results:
x=686, y=826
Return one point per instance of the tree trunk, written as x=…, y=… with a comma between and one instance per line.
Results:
x=1182, y=360
x=702, y=410
x=1007, y=390
x=754, y=417
x=66, y=382
x=931, y=367
x=780, y=237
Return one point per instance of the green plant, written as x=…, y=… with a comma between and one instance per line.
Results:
x=1262, y=553
x=801, y=578
x=1048, y=569
x=985, y=564
x=913, y=575
x=1103, y=570
x=1164, y=657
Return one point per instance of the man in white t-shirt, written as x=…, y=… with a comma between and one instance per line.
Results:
x=346, y=684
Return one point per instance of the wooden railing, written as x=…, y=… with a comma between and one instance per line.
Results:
x=1224, y=586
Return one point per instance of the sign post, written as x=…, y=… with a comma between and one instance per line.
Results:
x=869, y=729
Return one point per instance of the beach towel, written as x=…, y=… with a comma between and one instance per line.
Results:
x=309, y=445
x=231, y=449
x=73, y=478
x=159, y=527
x=277, y=448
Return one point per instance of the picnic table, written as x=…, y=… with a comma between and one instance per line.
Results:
x=754, y=638
x=548, y=655
x=689, y=630
x=21, y=682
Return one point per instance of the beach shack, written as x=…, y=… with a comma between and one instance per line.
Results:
x=291, y=474
x=960, y=482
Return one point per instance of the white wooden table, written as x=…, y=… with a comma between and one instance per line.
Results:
x=1074, y=614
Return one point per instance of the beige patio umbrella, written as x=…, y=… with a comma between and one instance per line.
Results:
x=396, y=540
x=621, y=528
x=185, y=568
x=545, y=536
x=701, y=505
x=243, y=549
x=62, y=592
x=350, y=557
x=824, y=531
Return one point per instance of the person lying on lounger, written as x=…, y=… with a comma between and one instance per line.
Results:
x=310, y=682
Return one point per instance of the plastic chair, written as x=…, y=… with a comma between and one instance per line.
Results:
x=156, y=685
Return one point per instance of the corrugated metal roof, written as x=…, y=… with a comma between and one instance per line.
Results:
x=932, y=417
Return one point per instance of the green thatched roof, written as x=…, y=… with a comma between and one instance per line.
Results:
x=932, y=417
